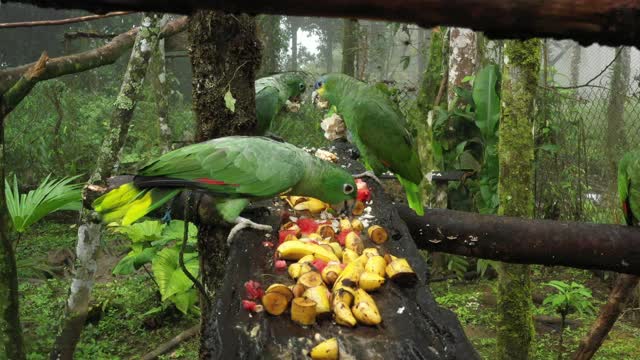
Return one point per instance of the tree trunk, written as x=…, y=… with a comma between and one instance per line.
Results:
x=89, y=232
x=224, y=52
x=431, y=84
x=462, y=60
x=576, y=59
x=12, y=344
x=515, y=191
x=225, y=55
x=158, y=79
x=294, y=45
x=609, y=313
x=362, y=56
x=329, y=51
x=615, y=140
x=349, y=46
x=272, y=42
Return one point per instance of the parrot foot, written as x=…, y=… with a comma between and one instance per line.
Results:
x=242, y=223
x=368, y=174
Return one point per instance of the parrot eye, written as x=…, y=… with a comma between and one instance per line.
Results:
x=301, y=86
x=347, y=189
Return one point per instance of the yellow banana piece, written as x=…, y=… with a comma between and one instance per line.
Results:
x=295, y=250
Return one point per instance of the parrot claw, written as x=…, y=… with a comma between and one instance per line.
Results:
x=242, y=223
x=368, y=174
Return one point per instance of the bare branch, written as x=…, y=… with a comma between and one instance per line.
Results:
x=522, y=241
x=71, y=64
x=62, y=21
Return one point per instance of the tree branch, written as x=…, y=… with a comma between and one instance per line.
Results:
x=104, y=55
x=173, y=343
x=521, y=241
x=10, y=99
x=62, y=21
x=87, y=34
x=612, y=22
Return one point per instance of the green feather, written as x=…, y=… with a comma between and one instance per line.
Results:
x=272, y=92
x=629, y=186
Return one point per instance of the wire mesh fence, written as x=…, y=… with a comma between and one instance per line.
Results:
x=587, y=116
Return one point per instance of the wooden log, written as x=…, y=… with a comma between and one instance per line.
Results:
x=413, y=327
x=62, y=21
x=521, y=241
x=612, y=22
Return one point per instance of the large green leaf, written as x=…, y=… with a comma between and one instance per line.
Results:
x=175, y=231
x=134, y=260
x=169, y=276
x=145, y=231
x=487, y=101
x=185, y=300
x=51, y=195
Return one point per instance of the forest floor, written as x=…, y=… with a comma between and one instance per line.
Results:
x=121, y=324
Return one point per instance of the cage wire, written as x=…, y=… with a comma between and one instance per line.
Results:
x=587, y=114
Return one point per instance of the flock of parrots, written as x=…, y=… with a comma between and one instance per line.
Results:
x=238, y=169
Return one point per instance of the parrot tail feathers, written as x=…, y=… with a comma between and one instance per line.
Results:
x=414, y=195
x=127, y=203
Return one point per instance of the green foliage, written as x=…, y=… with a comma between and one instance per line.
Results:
x=457, y=264
x=300, y=128
x=570, y=298
x=159, y=244
x=51, y=195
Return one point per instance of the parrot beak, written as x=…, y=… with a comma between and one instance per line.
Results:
x=345, y=207
x=317, y=100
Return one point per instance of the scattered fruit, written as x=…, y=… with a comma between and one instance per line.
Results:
x=354, y=242
x=370, y=252
x=365, y=309
x=249, y=305
x=345, y=224
x=364, y=194
x=348, y=256
x=326, y=231
x=312, y=205
x=377, y=234
x=326, y=350
x=310, y=279
x=303, y=311
x=286, y=235
x=281, y=289
x=358, y=208
x=274, y=303
x=280, y=264
x=376, y=265
x=331, y=272
x=319, y=294
x=356, y=225
x=370, y=281
x=254, y=290
x=401, y=272
x=307, y=226
x=294, y=250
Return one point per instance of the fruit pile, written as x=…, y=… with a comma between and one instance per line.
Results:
x=333, y=267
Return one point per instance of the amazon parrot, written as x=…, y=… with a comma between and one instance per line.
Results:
x=233, y=170
x=272, y=92
x=378, y=129
x=629, y=187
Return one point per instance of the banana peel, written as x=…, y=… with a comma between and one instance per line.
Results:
x=354, y=242
x=310, y=279
x=342, y=300
x=377, y=234
x=280, y=289
x=326, y=350
x=331, y=273
x=348, y=256
x=326, y=231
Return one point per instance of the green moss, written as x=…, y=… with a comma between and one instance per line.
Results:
x=515, y=191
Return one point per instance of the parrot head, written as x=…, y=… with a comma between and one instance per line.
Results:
x=295, y=85
x=318, y=97
x=331, y=184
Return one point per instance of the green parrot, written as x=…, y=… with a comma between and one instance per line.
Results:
x=234, y=170
x=272, y=92
x=629, y=187
x=378, y=130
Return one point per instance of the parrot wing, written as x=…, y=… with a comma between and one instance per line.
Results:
x=232, y=166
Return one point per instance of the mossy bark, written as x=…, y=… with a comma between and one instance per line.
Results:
x=88, y=244
x=225, y=55
x=11, y=340
x=515, y=191
x=431, y=79
x=349, y=46
x=158, y=80
x=145, y=43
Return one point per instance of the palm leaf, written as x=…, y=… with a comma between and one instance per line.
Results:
x=51, y=195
